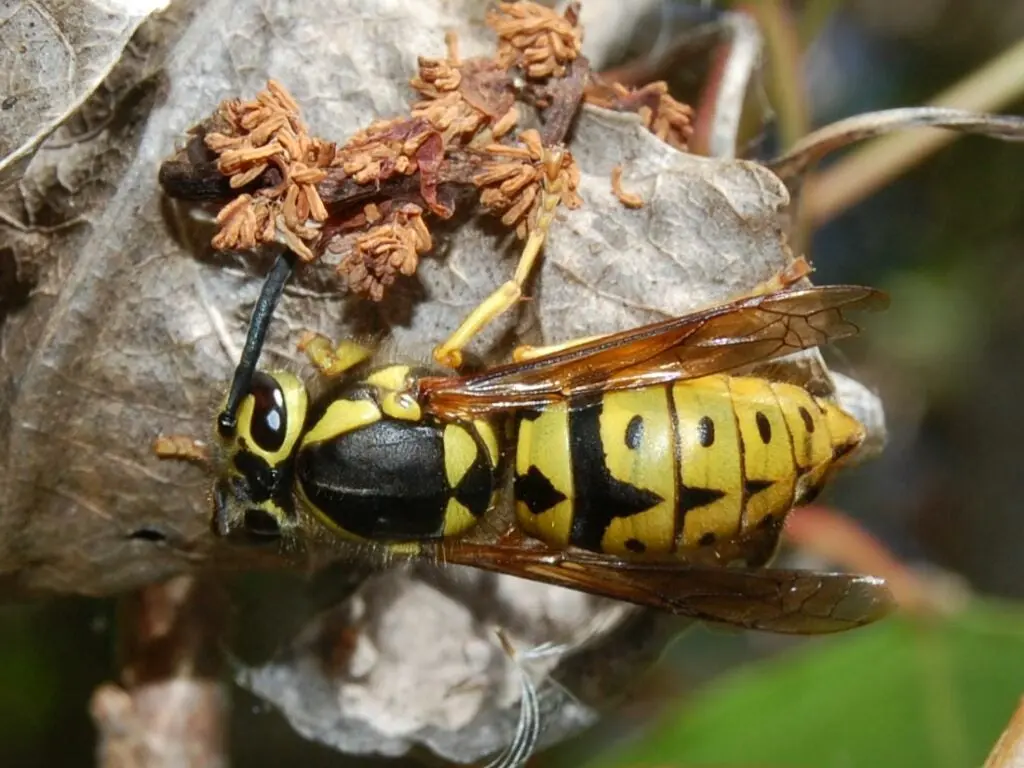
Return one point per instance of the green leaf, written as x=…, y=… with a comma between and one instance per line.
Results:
x=905, y=692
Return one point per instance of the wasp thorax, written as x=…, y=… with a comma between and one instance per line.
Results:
x=372, y=466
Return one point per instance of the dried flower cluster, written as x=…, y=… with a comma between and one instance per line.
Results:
x=381, y=183
x=468, y=104
x=249, y=138
x=384, y=148
x=536, y=39
x=392, y=244
x=461, y=106
x=512, y=183
x=665, y=117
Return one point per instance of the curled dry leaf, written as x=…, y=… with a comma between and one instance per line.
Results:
x=55, y=55
x=136, y=328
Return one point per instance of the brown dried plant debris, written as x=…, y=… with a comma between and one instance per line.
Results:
x=249, y=137
x=628, y=199
x=387, y=177
x=461, y=99
x=668, y=119
x=535, y=38
x=391, y=246
x=514, y=183
x=402, y=146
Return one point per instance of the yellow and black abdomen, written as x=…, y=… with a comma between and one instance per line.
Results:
x=367, y=468
x=668, y=468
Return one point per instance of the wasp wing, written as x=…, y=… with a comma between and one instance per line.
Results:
x=772, y=600
x=715, y=340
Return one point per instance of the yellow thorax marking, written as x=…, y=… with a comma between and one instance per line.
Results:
x=401, y=405
x=392, y=384
x=460, y=451
x=340, y=417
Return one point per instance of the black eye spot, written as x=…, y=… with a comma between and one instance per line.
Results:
x=707, y=539
x=635, y=432
x=260, y=524
x=635, y=545
x=808, y=421
x=764, y=427
x=269, y=417
x=706, y=431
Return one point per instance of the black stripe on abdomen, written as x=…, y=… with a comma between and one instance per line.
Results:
x=599, y=498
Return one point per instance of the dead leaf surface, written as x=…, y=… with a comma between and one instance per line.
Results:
x=54, y=54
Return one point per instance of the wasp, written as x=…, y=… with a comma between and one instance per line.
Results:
x=654, y=465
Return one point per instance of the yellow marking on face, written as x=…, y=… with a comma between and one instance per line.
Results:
x=638, y=440
x=460, y=451
x=486, y=431
x=401, y=405
x=543, y=443
x=767, y=449
x=709, y=443
x=296, y=402
x=393, y=378
x=457, y=518
x=340, y=417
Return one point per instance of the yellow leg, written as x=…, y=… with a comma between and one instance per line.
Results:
x=505, y=297
x=526, y=352
x=330, y=360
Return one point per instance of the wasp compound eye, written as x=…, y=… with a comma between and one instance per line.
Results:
x=269, y=415
x=260, y=524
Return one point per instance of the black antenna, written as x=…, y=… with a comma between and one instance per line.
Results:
x=262, y=313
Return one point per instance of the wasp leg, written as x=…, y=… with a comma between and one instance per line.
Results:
x=526, y=352
x=182, y=448
x=784, y=278
x=330, y=360
x=505, y=297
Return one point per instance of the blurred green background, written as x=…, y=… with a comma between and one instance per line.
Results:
x=947, y=240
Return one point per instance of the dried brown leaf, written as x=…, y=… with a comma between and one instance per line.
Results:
x=55, y=56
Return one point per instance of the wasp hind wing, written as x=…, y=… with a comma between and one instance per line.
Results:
x=773, y=600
